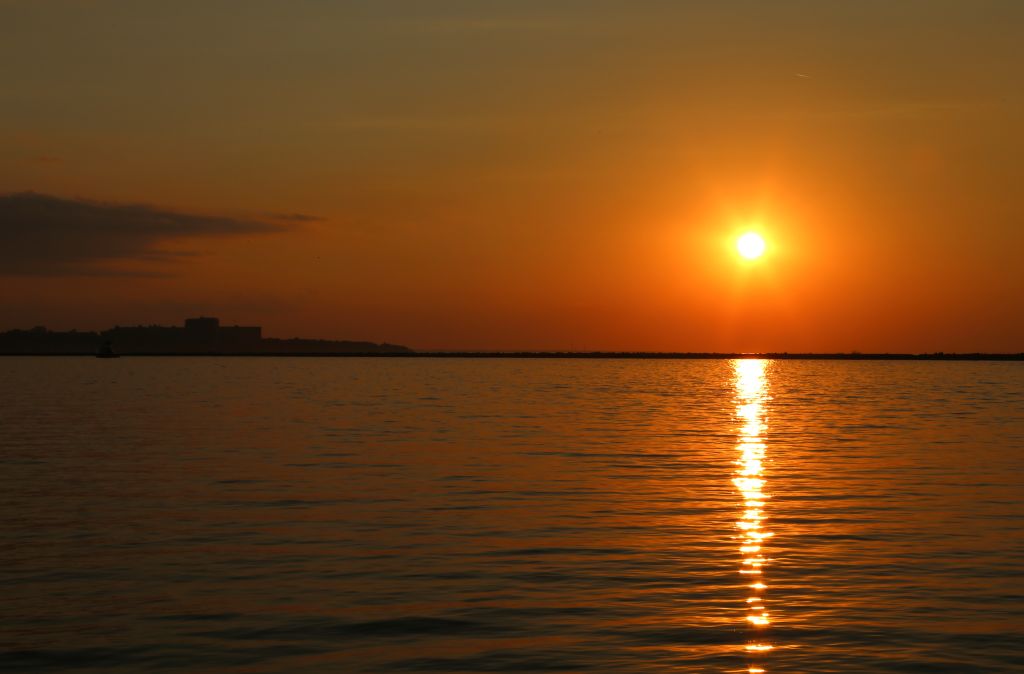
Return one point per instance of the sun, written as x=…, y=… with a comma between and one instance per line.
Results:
x=750, y=245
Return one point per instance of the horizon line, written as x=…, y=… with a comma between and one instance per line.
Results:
x=578, y=355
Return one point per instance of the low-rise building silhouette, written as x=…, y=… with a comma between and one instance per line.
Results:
x=199, y=335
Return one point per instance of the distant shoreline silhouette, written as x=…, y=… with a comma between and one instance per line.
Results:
x=549, y=355
x=660, y=355
x=202, y=336
x=205, y=336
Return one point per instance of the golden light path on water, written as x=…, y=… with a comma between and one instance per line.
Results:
x=751, y=397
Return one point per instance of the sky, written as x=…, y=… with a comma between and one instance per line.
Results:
x=486, y=174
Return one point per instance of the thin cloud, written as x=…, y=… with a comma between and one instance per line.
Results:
x=43, y=235
x=294, y=217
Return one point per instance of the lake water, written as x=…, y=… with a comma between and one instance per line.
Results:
x=393, y=515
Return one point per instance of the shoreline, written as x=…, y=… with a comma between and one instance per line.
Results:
x=566, y=355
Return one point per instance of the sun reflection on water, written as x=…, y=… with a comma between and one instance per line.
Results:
x=751, y=396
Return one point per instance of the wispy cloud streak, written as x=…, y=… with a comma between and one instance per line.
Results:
x=43, y=235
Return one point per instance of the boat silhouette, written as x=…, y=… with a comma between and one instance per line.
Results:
x=106, y=351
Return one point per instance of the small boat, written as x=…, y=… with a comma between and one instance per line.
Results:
x=106, y=351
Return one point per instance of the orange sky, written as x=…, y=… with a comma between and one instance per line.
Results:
x=521, y=175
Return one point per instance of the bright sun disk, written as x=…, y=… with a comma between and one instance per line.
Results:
x=750, y=245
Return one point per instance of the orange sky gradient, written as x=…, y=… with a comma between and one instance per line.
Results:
x=528, y=175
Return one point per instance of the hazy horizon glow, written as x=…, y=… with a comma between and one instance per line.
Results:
x=530, y=175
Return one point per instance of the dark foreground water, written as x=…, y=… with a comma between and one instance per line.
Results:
x=351, y=515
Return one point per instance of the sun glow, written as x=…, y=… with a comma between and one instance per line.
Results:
x=751, y=245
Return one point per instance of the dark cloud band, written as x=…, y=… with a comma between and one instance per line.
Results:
x=48, y=236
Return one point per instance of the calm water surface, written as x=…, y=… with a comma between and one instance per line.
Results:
x=374, y=515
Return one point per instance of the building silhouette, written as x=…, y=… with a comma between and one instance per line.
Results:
x=199, y=335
